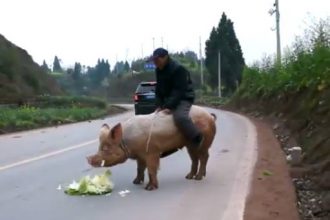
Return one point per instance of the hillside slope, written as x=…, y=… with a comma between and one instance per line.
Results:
x=20, y=77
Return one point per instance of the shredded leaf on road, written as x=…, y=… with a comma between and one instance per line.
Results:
x=98, y=185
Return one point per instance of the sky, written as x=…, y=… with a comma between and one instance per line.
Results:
x=85, y=30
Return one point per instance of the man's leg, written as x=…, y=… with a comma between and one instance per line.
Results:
x=185, y=124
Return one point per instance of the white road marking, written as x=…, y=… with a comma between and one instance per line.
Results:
x=44, y=156
x=241, y=189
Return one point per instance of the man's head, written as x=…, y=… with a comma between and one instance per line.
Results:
x=160, y=58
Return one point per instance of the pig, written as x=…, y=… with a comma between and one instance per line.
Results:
x=147, y=138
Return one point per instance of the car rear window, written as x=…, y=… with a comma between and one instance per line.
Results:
x=145, y=88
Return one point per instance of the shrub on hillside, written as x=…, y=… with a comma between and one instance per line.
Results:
x=305, y=66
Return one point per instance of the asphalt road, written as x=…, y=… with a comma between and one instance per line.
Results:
x=34, y=163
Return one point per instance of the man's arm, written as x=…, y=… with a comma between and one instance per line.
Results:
x=180, y=84
x=159, y=98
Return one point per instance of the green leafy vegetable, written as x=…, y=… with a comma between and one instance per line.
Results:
x=98, y=185
x=267, y=173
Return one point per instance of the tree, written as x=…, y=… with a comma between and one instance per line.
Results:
x=119, y=68
x=191, y=55
x=138, y=65
x=69, y=71
x=99, y=72
x=56, y=65
x=76, y=75
x=45, y=67
x=126, y=67
x=223, y=39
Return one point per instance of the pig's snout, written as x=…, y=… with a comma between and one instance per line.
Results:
x=89, y=160
x=95, y=161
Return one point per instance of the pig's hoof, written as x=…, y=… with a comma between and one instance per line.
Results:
x=151, y=187
x=138, y=181
x=199, y=177
x=190, y=176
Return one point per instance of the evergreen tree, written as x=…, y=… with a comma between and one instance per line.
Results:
x=126, y=67
x=76, y=75
x=69, y=71
x=191, y=56
x=119, y=68
x=99, y=72
x=138, y=65
x=56, y=65
x=45, y=67
x=223, y=39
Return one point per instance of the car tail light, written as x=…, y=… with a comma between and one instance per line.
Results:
x=136, y=98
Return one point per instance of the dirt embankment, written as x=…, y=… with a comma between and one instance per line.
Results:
x=301, y=119
x=272, y=194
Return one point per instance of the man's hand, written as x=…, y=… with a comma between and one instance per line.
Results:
x=158, y=110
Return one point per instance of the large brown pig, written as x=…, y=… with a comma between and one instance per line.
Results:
x=146, y=137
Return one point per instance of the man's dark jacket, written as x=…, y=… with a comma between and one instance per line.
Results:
x=173, y=85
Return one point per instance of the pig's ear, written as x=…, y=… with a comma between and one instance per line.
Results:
x=116, y=133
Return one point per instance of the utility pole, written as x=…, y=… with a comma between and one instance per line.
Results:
x=276, y=10
x=219, y=74
x=201, y=60
x=278, y=36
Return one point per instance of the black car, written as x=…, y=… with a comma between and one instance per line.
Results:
x=145, y=98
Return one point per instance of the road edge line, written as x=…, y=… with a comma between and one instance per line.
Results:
x=243, y=179
x=47, y=155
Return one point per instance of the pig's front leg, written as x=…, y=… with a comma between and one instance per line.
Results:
x=141, y=167
x=152, y=165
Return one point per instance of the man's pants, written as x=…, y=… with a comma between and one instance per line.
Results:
x=184, y=122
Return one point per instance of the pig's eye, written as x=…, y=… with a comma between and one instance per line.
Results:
x=106, y=148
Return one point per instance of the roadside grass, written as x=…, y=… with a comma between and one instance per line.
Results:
x=69, y=101
x=30, y=117
x=53, y=110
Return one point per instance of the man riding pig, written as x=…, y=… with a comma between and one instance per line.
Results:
x=148, y=137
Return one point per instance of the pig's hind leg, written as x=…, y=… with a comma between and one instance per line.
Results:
x=203, y=152
x=203, y=158
x=141, y=167
x=194, y=163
